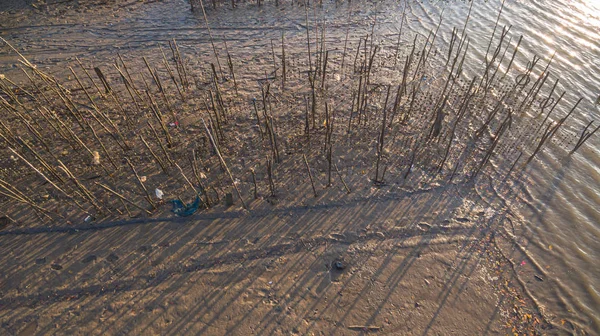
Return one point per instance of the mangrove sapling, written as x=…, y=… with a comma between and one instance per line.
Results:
x=199, y=176
x=503, y=127
x=344, y=52
x=324, y=70
x=546, y=102
x=550, y=112
x=179, y=61
x=329, y=164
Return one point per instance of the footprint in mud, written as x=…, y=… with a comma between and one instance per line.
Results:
x=56, y=267
x=112, y=258
x=144, y=249
x=89, y=259
x=424, y=226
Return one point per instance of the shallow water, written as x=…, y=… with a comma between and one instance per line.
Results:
x=557, y=199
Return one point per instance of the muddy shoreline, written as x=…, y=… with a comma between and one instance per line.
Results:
x=413, y=248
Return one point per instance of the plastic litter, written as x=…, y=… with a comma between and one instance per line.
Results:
x=159, y=193
x=184, y=210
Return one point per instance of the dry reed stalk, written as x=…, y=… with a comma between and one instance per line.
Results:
x=164, y=150
x=381, y=137
x=160, y=163
x=312, y=183
x=341, y=179
x=15, y=194
x=179, y=61
x=254, y=182
x=211, y=39
x=230, y=65
x=137, y=176
x=283, y=71
x=70, y=197
x=158, y=115
x=257, y=119
x=89, y=77
x=123, y=198
x=270, y=177
x=204, y=204
x=86, y=193
x=224, y=164
x=170, y=72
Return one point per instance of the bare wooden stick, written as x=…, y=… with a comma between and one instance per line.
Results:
x=254, y=182
x=70, y=197
x=164, y=150
x=312, y=183
x=137, y=176
x=341, y=178
x=211, y=38
x=122, y=197
x=224, y=164
x=91, y=198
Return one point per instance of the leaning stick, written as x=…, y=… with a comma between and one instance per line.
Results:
x=164, y=150
x=81, y=187
x=28, y=202
x=137, y=176
x=212, y=140
x=341, y=178
x=160, y=163
x=48, y=180
x=122, y=197
x=312, y=183
x=211, y=38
